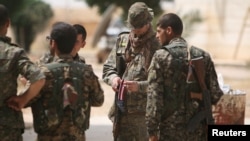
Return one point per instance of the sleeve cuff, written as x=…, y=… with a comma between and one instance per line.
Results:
x=111, y=78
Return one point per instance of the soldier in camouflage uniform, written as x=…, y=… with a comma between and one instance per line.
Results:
x=63, y=110
x=14, y=61
x=48, y=56
x=80, y=43
x=136, y=49
x=169, y=105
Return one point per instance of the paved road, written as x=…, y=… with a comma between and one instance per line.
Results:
x=100, y=129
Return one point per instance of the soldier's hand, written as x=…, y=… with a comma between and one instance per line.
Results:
x=16, y=102
x=131, y=86
x=115, y=83
x=23, y=80
x=153, y=138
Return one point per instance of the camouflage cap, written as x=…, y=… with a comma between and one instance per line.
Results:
x=139, y=14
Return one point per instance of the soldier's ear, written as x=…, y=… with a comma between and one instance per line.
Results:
x=168, y=30
x=53, y=44
x=8, y=23
x=83, y=44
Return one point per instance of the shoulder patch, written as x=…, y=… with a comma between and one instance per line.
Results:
x=123, y=39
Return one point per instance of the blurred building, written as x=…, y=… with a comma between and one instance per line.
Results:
x=225, y=27
x=224, y=30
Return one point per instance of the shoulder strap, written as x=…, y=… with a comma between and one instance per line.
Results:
x=188, y=50
x=174, y=45
x=54, y=65
x=171, y=50
x=195, y=52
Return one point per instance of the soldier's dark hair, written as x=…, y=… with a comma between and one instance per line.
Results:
x=81, y=30
x=4, y=14
x=64, y=35
x=172, y=20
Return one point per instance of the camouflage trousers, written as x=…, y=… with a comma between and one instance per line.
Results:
x=67, y=131
x=132, y=128
x=10, y=134
x=178, y=132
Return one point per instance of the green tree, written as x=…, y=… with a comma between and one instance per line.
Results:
x=28, y=18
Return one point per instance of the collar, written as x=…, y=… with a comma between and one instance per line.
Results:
x=5, y=39
x=63, y=58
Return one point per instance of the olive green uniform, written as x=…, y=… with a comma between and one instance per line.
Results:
x=53, y=120
x=170, y=107
x=14, y=62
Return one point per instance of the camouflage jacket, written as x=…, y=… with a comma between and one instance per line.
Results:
x=48, y=109
x=48, y=58
x=79, y=58
x=134, y=71
x=14, y=61
x=169, y=107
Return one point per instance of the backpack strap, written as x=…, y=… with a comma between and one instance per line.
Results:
x=122, y=45
x=195, y=52
x=188, y=50
x=169, y=46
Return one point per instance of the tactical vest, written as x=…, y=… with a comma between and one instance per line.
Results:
x=175, y=90
x=177, y=96
x=49, y=110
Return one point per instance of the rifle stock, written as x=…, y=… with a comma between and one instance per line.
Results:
x=199, y=71
x=116, y=119
x=119, y=108
x=119, y=96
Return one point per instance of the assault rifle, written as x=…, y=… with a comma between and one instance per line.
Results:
x=122, y=44
x=117, y=117
x=119, y=96
x=197, y=67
